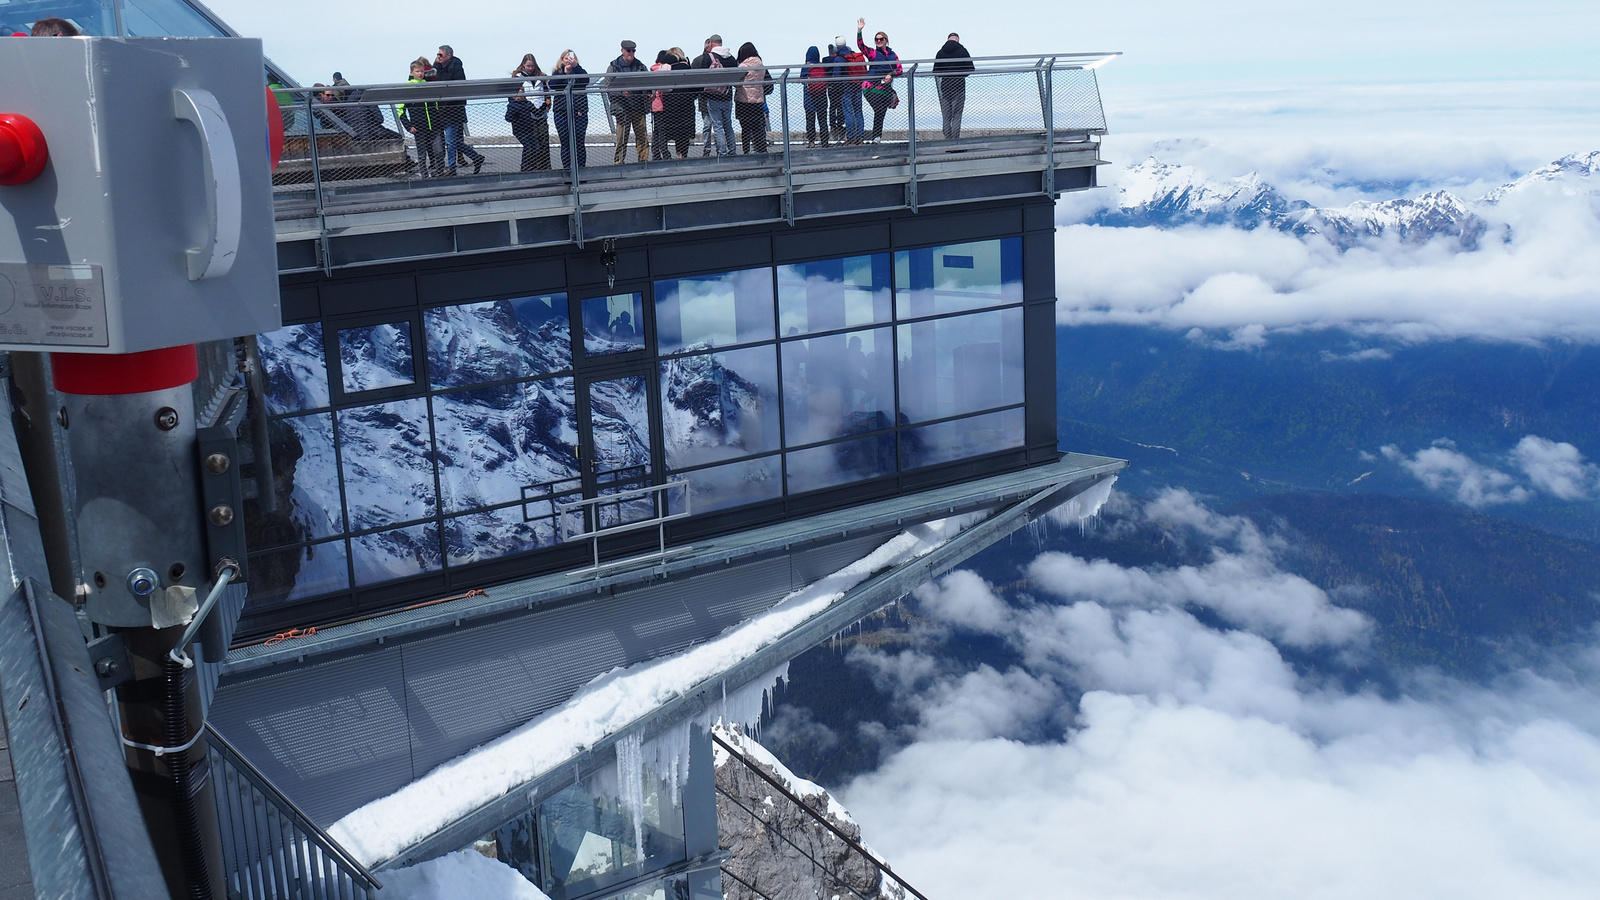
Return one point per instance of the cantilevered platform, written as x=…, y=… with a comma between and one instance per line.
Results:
x=357, y=711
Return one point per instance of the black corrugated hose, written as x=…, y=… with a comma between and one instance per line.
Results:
x=184, y=787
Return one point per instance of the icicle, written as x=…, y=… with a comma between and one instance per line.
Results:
x=630, y=785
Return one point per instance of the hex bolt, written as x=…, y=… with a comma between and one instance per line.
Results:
x=105, y=667
x=221, y=515
x=166, y=418
x=61, y=416
x=217, y=463
x=143, y=582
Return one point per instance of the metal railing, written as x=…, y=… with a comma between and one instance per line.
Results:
x=271, y=849
x=511, y=133
x=609, y=514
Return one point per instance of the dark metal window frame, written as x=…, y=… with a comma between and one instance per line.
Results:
x=376, y=597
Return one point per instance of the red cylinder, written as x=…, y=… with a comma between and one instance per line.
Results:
x=23, y=151
x=100, y=374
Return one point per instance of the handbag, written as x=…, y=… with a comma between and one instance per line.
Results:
x=894, y=100
x=518, y=109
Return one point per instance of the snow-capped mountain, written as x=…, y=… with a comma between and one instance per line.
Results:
x=1575, y=174
x=1167, y=195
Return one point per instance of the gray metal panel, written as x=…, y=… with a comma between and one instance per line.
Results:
x=329, y=734
x=813, y=564
x=473, y=685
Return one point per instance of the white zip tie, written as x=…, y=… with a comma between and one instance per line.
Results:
x=163, y=751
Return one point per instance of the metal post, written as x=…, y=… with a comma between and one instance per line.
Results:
x=572, y=155
x=788, y=159
x=316, y=188
x=1049, y=98
x=911, y=136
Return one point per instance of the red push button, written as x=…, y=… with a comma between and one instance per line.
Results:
x=22, y=149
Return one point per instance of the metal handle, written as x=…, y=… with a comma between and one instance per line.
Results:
x=224, y=196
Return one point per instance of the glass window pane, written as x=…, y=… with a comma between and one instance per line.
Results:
x=619, y=416
x=840, y=463
x=836, y=385
x=296, y=367
x=284, y=576
x=402, y=552
x=719, y=405
x=306, y=480
x=613, y=324
x=592, y=838
x=714, y=310
x=959, y=365
x=166, y=18
x=961, y=438
x=833, y=294
x=497, y=340
x=734, y=484
x=500, y=532
x=376, y=356
x=957, y=277
x=495, y=442
x=388, y=463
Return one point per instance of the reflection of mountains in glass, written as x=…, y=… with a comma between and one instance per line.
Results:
x=488, y=444
x=719, y=405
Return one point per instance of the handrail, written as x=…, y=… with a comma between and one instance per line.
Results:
x=287, y=807
x=658, y=521
x=853, y=844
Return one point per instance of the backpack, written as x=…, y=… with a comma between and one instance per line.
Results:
x=858, y=64
x=814, y=83
x=721, y=91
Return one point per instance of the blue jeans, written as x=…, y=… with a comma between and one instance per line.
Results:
x=851, y=95
x=721, y=112
x=580, y=125
x=455, y=141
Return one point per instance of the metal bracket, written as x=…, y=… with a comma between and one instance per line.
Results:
x=221, y=491
x=111, y=663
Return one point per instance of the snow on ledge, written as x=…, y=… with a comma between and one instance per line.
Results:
x=610, y=703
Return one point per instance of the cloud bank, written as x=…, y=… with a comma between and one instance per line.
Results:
x=1535, y=277
x=1155, y=742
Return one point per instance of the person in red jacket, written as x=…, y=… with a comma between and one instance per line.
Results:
x=854, y=66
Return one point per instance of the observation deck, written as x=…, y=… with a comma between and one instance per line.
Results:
x=358, y=194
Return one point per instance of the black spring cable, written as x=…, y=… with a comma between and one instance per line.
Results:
x=191, y=846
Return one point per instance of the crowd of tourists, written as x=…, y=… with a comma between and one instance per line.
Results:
x=661, y=123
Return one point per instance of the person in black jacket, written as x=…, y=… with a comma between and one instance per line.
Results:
x=952, y=68
x=449, y=68
x=571, y=122
x=629, y=107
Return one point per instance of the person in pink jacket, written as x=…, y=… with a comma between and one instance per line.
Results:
x=750, y=100
x=878, y=87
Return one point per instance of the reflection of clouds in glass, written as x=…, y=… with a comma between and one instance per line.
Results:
x=836, y=385
x=296, y=368
x=841, y=463
x=473, y=343
x=388, y=473
x=957, y=277
x=831, y=294
x=714, y=310
x=395, y=554
x=493, y=442
x=961, y=438
x=960, y=364
x=735, y=484
x=376, y=356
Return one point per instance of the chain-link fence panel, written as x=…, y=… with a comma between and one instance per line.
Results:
x=1076, y=102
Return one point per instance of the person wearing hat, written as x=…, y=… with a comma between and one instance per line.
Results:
x=703, y=61
x=629, y=107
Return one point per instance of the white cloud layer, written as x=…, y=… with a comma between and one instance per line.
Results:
x=1535, y=277
x=1556, y=468
x=1198, y=763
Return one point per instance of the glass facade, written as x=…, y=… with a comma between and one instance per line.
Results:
x=595, y=834
x=409, y=444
